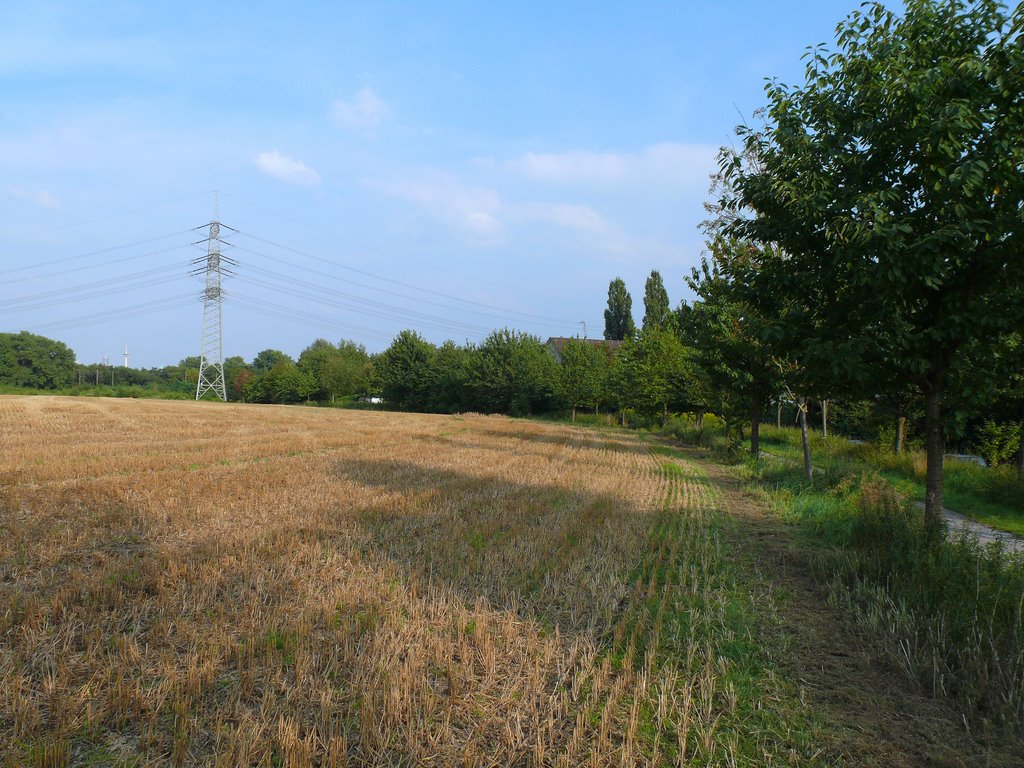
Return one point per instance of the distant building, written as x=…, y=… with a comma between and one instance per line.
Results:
x=556, y=344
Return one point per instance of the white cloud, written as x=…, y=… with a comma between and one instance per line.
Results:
x=665, y=164
x=568, y=215
x=572, y=167
x=286, y=169
x=364, y=112
x=473, y=209
x=41, y=197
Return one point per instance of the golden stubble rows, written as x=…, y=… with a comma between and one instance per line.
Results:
x=190, y=584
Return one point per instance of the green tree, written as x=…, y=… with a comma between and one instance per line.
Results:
x=28, y=360
x=346, y=371
x=240, y=383
x=451, y=390
x=650, y=373
x=618, y=317
x=581, y=374
x=726, y=334
x=313, y=360
x=891, y=182
x=514, y=374
x=656, y=310
x=405, y=370
x=266, y=360
x=284, y=383
x=235, y=367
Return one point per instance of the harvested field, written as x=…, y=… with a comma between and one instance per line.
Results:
x=197, y=584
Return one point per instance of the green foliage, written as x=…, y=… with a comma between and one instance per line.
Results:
x=266, y=360
x=650, y=373
x=887, y=194
x=28, y=360
x=998, y=442
x=284, y=383
x=405, y=371
x=618, y=317
x=656, y=311
x=451, y=382
x=950, y=614
x=338, y=371
x=739, y=371
x=514, y=374
x=581, y=374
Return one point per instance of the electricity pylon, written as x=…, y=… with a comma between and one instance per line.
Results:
x=211, y=356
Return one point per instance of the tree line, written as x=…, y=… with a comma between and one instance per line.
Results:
x=868, y=234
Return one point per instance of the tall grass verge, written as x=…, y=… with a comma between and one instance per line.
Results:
x=949, y=614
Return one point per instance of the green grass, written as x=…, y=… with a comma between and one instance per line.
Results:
x=708, y=633
x=950, y=613
x=993, y=496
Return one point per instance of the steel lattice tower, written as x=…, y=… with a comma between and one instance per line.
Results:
x=211, y=358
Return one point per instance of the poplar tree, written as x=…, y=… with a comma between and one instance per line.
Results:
x=618, y=318
x=656, y=311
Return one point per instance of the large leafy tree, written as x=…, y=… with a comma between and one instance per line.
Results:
x=346, y=371
x=285, y=382
x=650, y=373
x=726, y=332
x=891, y=182
x=451, y=389
x=581, y=374
x=656, y=309
x=405, y=371
x=337, y=370
x=264, y=360
x=514, y=374
x=618, y=317
x=28, y=360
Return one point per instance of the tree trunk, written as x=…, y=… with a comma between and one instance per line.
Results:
x=934, y=522
x=778, y=415
x=623, y=417
x=755, y=428
x=901, y=434
x=574, y=414
x=801, y=415
x=1020, y=452
x=824, y=418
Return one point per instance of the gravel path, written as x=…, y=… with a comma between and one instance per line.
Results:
x=986, y=535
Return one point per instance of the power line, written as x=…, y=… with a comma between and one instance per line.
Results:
x=361, y=245
x=107, y=263
x=320, y=273
x=93, y=253
x=366, y=306
x=264, y=308
x=66, y=295
x=109, y=216
x=366, y=273
x=121, y=313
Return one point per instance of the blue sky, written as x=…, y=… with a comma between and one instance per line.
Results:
x=452, y=168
